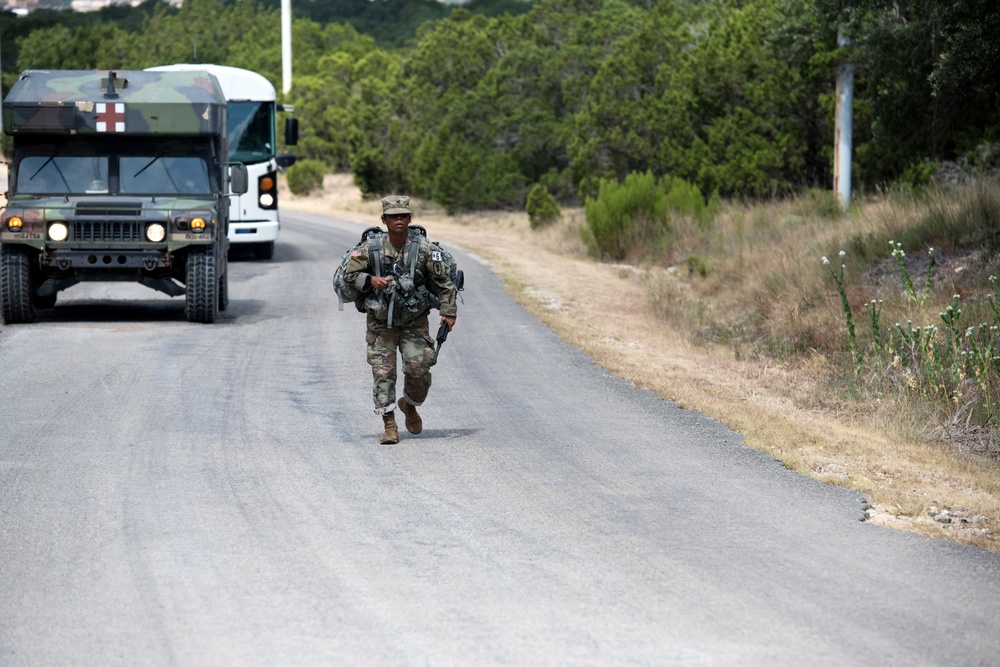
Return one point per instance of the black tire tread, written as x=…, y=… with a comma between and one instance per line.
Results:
x=15, y=286
x=202, y=300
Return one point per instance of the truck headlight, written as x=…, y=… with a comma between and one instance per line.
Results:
x=155, y=232
x=58, y=231
x=266, y=200
x=15, y=223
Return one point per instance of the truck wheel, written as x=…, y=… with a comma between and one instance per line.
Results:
x=224, y=291
x=15, y=286
x=202, y=301
x=264, y=250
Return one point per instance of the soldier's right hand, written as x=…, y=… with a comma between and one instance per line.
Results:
x=380, y=282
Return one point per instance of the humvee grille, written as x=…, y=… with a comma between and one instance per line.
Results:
x=99, y=224
x=108, y=232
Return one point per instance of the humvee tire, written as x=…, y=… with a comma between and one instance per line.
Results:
x=202, y=300
x=224, y=290
x=15, y=286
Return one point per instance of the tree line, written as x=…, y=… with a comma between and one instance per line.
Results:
x=474, y=106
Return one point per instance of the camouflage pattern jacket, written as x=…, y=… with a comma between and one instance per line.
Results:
x=429, y=271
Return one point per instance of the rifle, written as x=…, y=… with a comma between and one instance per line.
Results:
x=441, y=337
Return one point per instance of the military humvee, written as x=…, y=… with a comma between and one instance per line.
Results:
x=116, y=176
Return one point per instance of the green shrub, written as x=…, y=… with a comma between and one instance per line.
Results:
x=683, y=197
x=626, y=217
x=305, y=176
x=541, y=207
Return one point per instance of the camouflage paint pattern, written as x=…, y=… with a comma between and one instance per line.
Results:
x=142, y=103
x=416, y=348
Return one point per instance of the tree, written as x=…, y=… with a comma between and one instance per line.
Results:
x=930, y=72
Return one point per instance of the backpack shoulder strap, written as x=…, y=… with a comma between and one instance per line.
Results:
x=413, y=252
x=374, y=249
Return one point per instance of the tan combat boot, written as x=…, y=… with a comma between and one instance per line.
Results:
x=414, y=424
x=391, y=435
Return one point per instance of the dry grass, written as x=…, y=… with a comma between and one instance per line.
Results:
x=704, y=343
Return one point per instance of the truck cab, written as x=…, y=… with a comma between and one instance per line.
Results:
x=116, y=176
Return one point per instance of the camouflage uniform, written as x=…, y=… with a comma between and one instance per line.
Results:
x=412, y=339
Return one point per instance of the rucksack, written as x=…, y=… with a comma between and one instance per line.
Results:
x=455, y=273
x=348, y=292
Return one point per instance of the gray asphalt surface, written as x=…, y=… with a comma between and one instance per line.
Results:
x=181, y=494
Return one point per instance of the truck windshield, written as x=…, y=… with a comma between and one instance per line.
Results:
x=251, y=131
x=62, y=174
x=159, y=174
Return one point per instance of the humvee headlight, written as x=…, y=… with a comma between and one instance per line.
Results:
x=58, y=231
x=266, y=199
x=15, y=224
x=156, y=232
x=198, y=225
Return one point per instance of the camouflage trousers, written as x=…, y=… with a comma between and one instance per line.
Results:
x=415, y=346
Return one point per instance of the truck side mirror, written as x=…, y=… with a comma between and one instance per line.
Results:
x=284, y=160
x=291, y=131
x=239, y=179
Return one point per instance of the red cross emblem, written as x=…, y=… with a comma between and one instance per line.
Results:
x=110, y=117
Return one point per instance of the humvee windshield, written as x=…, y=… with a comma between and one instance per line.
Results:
x=62, y=174
x=113, y=167
x=142, y=174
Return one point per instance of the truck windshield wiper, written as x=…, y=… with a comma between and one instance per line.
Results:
x=44, y=165
x=149, y=164
x=62, y=176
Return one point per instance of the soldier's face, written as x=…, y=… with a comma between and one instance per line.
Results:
x=397, y=222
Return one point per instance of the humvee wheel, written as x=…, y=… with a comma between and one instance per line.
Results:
x=15, y=286
x=224, y=290
x=202, y=301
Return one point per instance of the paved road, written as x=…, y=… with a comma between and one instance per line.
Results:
x=181, y=494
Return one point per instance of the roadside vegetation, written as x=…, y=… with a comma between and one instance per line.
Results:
x=898, y=296
x=887, y=314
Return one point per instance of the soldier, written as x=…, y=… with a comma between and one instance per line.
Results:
x=397, y=303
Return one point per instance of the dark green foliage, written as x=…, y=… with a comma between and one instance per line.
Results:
x=541, y=207
x=305, y=176
x=393, y=23
x=470, y=178
x=931, y=75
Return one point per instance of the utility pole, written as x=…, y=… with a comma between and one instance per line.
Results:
x=286, y=46
x=844, y=130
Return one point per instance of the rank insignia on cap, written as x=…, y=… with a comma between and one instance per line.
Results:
x=109, y=117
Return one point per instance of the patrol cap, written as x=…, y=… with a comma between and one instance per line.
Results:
x=396, y=205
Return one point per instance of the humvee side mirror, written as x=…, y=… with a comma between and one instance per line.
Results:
x=291, y=131
x=284, y=160
x=239, y=179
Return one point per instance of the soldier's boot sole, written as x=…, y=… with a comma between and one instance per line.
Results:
x=414, y=424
